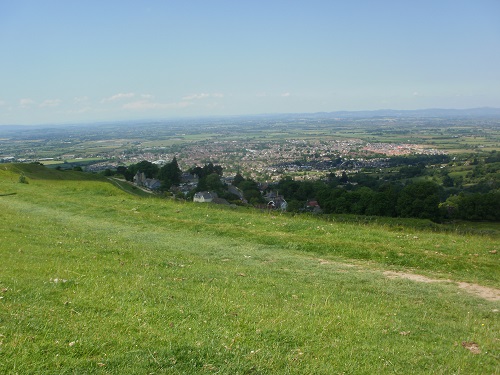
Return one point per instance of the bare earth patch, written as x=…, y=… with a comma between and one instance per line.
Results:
x=490, y=294
x=472, y=346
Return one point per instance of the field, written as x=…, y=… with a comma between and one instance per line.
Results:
x=96, y=280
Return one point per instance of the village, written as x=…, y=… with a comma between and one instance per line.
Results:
x=189, y=183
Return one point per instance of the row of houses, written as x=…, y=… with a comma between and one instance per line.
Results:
x=188, y=180
x=274, y=201
x=149, y=183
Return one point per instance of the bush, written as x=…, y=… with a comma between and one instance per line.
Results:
x=23, y=179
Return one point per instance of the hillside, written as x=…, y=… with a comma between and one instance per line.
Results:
x=96, y=280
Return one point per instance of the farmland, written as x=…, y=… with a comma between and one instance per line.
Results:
x=251, y=144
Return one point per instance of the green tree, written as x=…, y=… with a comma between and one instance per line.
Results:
x=448, y=181
x=479, y=206
x=149, y=169
x=295, y=206
x=420, y=200
x=363, y=197
x=305, y=191
x=238, y=179
x=170, y=174
x=251, y=191
x=23, y=179
x=213, y=183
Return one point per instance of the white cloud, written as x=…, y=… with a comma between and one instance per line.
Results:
x=50, y=103
x=3, y=103
x=81, y=99
x=147, y=96
x=26, y=102
x=285, y=94
x=196, y=96
x=203, y=96
x=146, y=104
x=118, y=96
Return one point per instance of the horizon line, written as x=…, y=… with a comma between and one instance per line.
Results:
x=200, y=117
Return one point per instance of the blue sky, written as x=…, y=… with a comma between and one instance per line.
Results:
x=80, y=61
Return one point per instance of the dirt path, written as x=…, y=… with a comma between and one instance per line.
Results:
x=490, y=294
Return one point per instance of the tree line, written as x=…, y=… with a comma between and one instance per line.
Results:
x=365, y=195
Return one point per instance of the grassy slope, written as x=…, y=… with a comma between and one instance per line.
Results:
x=94, y=280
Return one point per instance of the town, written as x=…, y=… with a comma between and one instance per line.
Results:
x=264, y=149
x=299, y=164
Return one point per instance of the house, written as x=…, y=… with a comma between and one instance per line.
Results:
x=152, y=183
x=140, y=178
x=149, y=183
x=276, y=201
x=220, y=201
x=235, y=191
x=204, y=197
x=313, y=206
x=188, y=178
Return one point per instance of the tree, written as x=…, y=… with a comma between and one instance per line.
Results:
x=447, y=181
x=213, y=182
x=294, y=206
x=121, y=170
x=420, y=200
x=305, y=191
x=251, y=191
x=238, y=179
x=476, y=206
x=149, y=169
x=288, y=187
x=363, y=198
x=206, y=170
x=22, y=178
x=170, y=174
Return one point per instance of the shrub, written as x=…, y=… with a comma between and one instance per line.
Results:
x=23, y=179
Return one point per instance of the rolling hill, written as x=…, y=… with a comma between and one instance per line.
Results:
x=97, y=280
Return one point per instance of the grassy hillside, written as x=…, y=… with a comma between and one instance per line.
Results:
x=96, y=280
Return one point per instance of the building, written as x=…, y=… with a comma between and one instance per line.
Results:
x=276, y=201
x=204, y=197
x=149, y=183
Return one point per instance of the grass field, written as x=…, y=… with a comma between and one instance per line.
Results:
x=96, y=280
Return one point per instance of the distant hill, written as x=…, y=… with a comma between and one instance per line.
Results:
x=483, y=112
x=431, y=112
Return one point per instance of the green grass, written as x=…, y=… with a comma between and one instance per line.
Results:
x=95, y=280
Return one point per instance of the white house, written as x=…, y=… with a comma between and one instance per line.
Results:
x=204, y=197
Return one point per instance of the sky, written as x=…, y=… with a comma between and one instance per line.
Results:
x=71, y=61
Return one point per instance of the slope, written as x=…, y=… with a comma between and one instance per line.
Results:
x=94, y=280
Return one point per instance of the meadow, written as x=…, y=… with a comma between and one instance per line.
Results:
x=95, y=280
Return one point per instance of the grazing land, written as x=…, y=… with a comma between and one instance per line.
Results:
x=97, y=280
